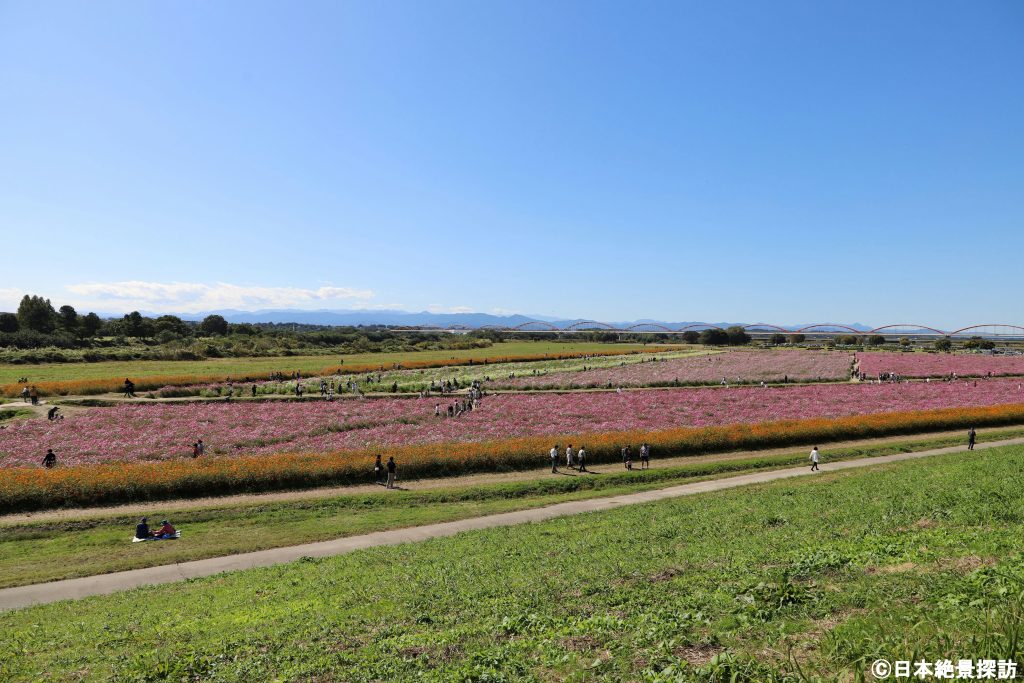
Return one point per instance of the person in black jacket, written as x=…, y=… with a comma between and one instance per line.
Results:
x=392, y=468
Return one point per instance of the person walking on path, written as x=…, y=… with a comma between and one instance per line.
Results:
x=568, y=457
x=50, y=459
x=378, y=469
x=392, y=468
x=972, y=436
x=202, y=448
x=129, y=388
x=554, y=459
x=33, y=395
x=627, y=457
x=645, y=456
x=581, y=456
x=814, y=459
x=195, y=450
x=24, y=394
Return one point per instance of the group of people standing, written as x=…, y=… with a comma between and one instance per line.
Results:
x=30, y=394
x=577, y=459
x=574, y=460
x=391, y=467
x=466, y=405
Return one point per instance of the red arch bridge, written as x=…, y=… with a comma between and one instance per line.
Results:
x=996, y=331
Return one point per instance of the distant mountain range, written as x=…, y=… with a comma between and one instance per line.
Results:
x=427, y=319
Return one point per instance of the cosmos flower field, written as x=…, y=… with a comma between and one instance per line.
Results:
x=158, y=432
x=734, y=367
x=939, y=364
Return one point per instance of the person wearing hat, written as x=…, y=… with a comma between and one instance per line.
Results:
x=165, y=530
x=142, y=529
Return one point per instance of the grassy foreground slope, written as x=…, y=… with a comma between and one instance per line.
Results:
x=790, y=581
x=308, y=364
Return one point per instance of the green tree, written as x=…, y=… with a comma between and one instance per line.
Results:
x=737, y=336
x=945, y=344
x=67, y=318
x=214, y=325
x=777, y=339
x=797, y=338
x=714, y=337
x=691, y=336
x=90, y=325
x=36, y=313
x=904, y=342
x=876, y=340
x=979, y=343
x=172, y=324
x=8, y=322
x=135, y=325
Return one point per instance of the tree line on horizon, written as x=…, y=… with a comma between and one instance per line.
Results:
x=38, y=332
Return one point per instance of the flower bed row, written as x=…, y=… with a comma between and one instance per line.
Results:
x=732, y=367
x=23, y=489
x=939, y=364
x=86, y=387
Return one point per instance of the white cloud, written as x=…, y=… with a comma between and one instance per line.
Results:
x=191, y=297
x=438, y=308
x=10, y=298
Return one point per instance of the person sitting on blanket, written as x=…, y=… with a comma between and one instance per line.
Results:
x=142, y=529
x=165, y=531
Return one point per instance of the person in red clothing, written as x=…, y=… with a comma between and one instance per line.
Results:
x=166, y=530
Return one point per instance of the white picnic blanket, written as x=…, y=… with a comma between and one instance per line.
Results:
x=177, y=534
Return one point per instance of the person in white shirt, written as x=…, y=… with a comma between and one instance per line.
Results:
x=814, y=459
x=581, y=456
x=554, y=459
x=568, y=456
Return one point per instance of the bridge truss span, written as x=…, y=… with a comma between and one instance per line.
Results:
x=996, y=331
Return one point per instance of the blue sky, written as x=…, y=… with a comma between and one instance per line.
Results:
x=750, y=161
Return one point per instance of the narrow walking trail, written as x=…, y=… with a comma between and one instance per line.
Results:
x=24, y=596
